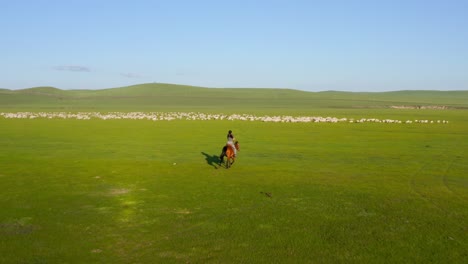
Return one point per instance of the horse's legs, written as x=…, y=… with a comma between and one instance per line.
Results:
x=221, y=158
x=223, y=153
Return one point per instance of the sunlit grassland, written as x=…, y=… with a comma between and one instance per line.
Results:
x=108, y=191
x=138, y=191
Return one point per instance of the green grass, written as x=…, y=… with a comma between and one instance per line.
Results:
x=108, y=192
x=94, y=191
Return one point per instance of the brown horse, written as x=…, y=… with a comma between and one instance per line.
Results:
x=228, y=151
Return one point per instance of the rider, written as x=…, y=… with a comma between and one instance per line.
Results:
x=230, y=142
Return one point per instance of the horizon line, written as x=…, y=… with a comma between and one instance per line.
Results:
x=208, y=87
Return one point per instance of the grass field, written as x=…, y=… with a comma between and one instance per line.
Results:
x=140, y=191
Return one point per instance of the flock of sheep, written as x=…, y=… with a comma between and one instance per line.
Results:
x=162, y=116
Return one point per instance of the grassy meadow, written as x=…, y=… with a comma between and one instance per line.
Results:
x=141, y=191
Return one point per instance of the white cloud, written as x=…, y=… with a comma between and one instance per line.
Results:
x=73, y=68
x=131, y=75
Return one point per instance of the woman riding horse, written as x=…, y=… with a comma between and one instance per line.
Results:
x=231, y=140
x=230, y=150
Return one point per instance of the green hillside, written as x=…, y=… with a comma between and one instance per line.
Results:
x=170, y=97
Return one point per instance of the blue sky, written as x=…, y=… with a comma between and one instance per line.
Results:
x=346, y=45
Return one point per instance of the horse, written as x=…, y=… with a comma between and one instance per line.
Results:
x=228, y=151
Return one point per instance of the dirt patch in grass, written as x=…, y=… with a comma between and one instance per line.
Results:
x=173, y=255
x=17, y=227
x=118, y=191
x=183, y=211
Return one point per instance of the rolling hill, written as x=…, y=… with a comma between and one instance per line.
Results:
x=170, y=97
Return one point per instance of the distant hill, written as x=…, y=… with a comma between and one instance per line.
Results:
x=171, y=97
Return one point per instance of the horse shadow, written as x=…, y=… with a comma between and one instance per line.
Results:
x=212, y=160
